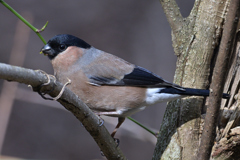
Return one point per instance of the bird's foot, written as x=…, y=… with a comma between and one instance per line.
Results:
x=42, y=94
x=101, y=121
x=38, y=88
x=117, y=141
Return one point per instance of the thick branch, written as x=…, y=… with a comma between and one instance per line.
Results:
x=217, y=85
x=70, y=101
x=173, y=14
x=194, y=10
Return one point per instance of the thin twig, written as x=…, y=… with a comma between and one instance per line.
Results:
x=144, y=127
x=219, y=74
x=37, y=31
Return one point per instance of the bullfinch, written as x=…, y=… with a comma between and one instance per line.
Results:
x=108, y=84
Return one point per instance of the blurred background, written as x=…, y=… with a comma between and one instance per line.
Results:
x=135, y=30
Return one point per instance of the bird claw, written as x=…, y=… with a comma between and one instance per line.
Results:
x=47, y=83
x=101, y=121
x=117, y=141
x=102, y=154
x=38, y=89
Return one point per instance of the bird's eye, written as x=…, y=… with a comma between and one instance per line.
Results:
x=62, y=47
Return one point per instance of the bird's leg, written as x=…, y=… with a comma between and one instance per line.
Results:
x=120, y=121
x=58, y=96
x=47, y=83
x=38, y=89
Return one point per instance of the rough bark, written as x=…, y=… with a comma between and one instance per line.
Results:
x=195, y=42
x=218, y=80
x=227, y=144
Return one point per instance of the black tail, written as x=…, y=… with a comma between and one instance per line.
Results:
x=191, y=92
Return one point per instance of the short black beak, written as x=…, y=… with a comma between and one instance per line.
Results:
x=46, y=50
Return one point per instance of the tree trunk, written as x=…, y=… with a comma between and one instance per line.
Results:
x=196, y=42
x=227, y=142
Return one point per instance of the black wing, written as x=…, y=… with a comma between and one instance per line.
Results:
x=140, y=77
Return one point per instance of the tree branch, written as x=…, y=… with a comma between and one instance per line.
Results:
x=37, y=31
x=70, y=101
x=219, y=74
x=173, y=14
x=194, y=10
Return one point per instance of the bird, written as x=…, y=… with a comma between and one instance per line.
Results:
x=107, y=84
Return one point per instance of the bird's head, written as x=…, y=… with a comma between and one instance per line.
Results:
x=60, y=43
